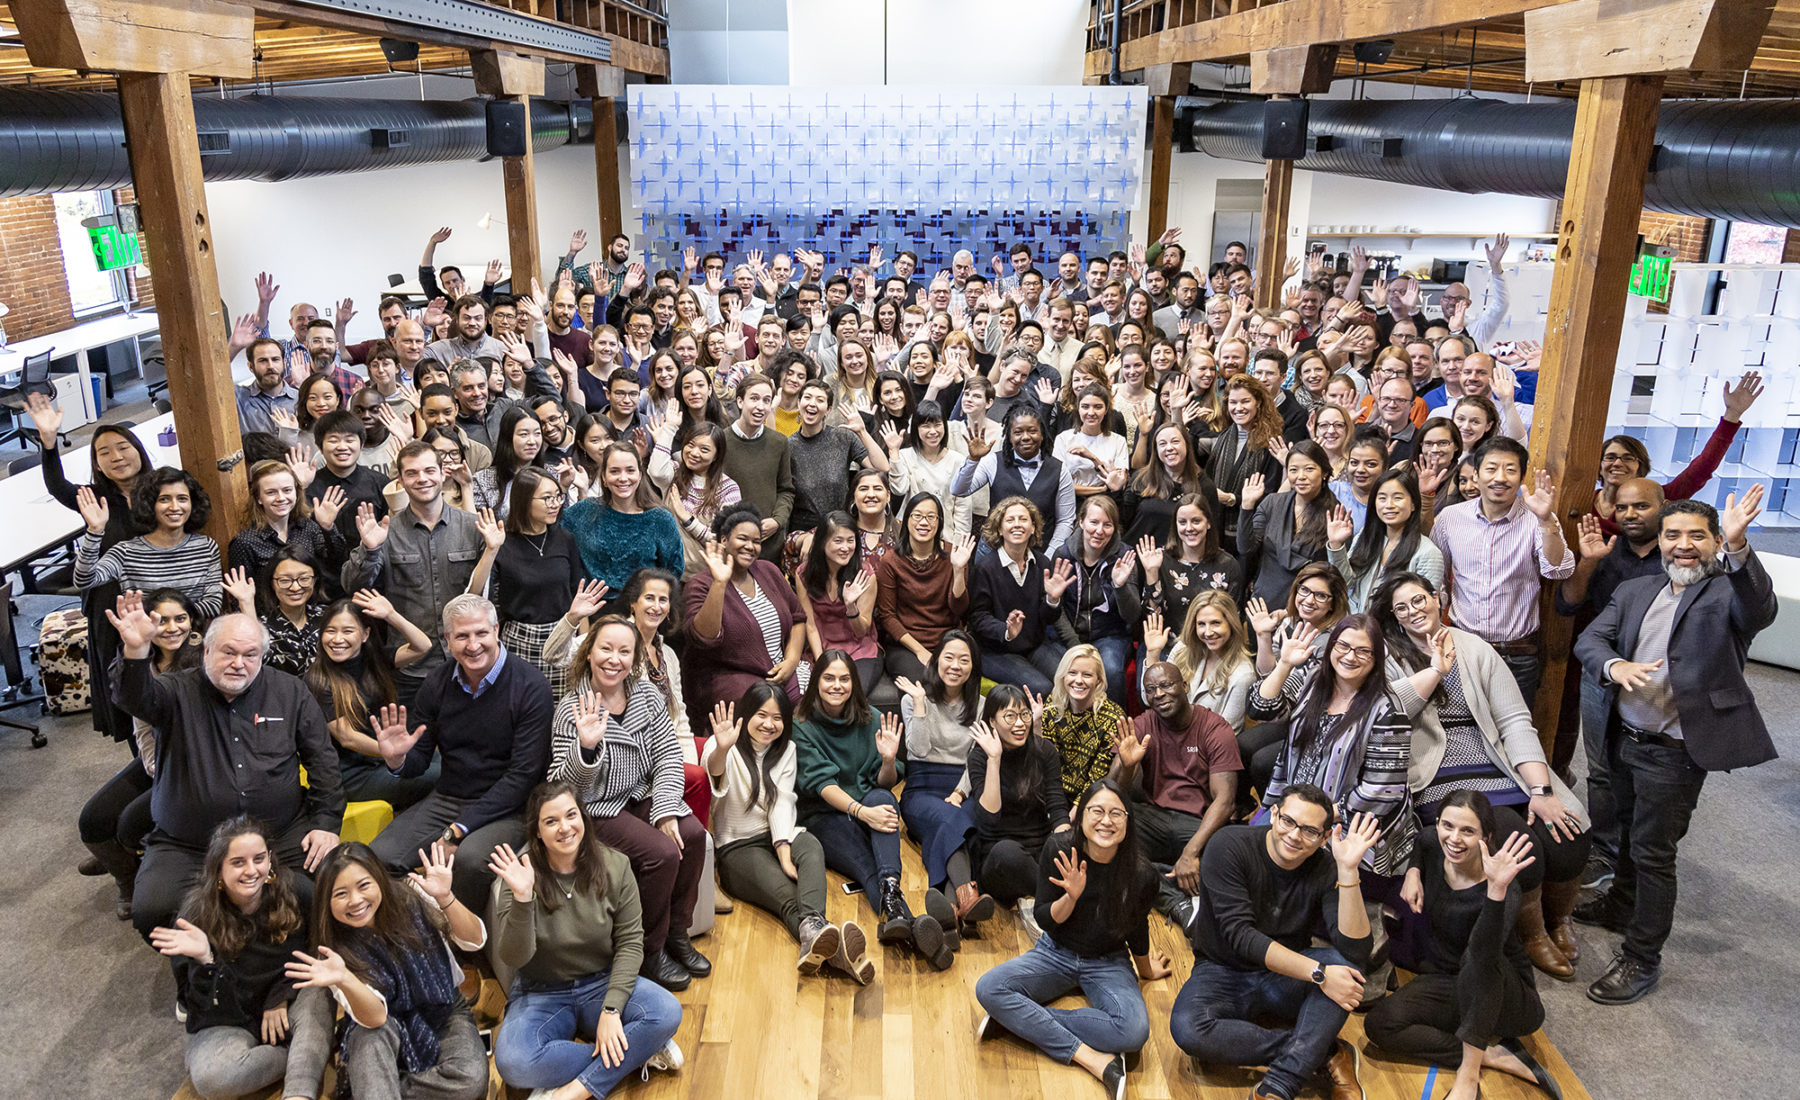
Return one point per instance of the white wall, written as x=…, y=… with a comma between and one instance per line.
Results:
x=936, y=41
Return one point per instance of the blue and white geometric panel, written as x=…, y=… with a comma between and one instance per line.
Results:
x=738, y=167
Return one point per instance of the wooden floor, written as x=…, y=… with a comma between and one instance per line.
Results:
x=756, y=1029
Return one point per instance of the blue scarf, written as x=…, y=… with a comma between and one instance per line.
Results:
x=420, y=987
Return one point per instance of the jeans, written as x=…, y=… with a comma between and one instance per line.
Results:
x=1015, y=992
x=1657, y=788
x=415, y=828
x=859, y=853
x=1603, y=812
x=1115, y=656
x=1034, y=670
x=372, y=1062
x=1527, y=669
x=546, y=1040
x=1211, y=1021
x=226, y=1062
x=750, y=871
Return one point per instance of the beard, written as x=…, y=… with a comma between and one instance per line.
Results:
x=1685, y=575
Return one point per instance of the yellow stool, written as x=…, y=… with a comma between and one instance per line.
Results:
x=363, y=820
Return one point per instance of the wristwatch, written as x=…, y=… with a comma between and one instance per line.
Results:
x=1538, y=791
x=1318, y=974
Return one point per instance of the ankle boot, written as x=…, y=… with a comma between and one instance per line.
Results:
x=681, y=949
x=1559, y=902
x=121, y=863
x=1536, y=939
x=939, y=909
x=896, y=915
x=819, y=941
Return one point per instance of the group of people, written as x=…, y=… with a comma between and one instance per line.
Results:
x=1113, y=590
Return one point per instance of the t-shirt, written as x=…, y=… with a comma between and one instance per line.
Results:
x=1179, y=763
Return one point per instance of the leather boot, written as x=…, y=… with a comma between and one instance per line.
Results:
x=973, y=906
x=939, y=909
x=121, y=863
x=896, y=915
x=1342, y=1070
x=681, y=949
x=852, y=953
x=1536, y=939
x=1559, y=902
x=819, y=941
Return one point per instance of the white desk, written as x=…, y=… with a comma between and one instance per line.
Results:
x=78, y=341
x=34, y=522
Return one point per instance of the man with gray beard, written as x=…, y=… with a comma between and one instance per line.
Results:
x=1676, y=646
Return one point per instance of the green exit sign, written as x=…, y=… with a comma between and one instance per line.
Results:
x=113, y=248
x=1650, y=277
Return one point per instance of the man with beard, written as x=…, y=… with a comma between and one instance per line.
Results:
x=390, y=313
x=1676, y=645
x=322, y=349
x=468, y=338
x=267, y=392
x=564, y=336
x=1183, y=306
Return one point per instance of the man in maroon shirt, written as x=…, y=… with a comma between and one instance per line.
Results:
x=1180, y=763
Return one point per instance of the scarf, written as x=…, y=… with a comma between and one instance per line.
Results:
x=420, y=987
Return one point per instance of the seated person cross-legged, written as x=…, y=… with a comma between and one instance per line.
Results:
x=1262, y=891
x=1016, y=798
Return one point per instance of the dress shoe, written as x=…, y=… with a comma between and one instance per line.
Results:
x=853, y=953
x=1114, y=1077
x=1536, y=939
x=664, y=971
x=1342, y=1069
x=1626, y=981
x=1601, y=911
x=90, y=867
x=681, y=949
x=1544, y=1079
x=939, y=908
x=973, y=906
x=819, y=940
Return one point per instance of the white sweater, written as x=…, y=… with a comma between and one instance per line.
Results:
x=734, y=816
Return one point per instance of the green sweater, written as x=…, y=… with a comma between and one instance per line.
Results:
x=583, y=936
x=829, y=751
x=763, y=471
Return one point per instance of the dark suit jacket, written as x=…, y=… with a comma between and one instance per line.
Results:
x=1715, y=622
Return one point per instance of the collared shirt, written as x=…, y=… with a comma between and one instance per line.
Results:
x=420, y=568
x=1061, y=354
x=346, y=380
x=1651, y=706
x=486, y=681
x=254, y=407
x=976, y=475
x=1495, y=566
x=448, y=351
x=1169, y=318
x=742, y=434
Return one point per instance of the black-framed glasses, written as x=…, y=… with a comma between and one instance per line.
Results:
x=1360, y=652
x=1309, y=833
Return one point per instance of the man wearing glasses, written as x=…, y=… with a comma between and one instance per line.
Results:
x=1455, y=300
x=1187, y=760
x=1263, y=888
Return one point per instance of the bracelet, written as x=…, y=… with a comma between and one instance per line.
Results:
x=1350, y=885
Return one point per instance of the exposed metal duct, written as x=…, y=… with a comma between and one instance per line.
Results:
x=1736, y=160
x=75, y=141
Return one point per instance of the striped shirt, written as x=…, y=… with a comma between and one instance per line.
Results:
x=1495, y=567
x=190, y=566
x=636, y=759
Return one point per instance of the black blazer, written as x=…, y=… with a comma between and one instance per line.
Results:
x=1714, y=625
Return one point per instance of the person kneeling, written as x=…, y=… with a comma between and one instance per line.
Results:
x=566, y=914
x=1262, y=889
x=1094, y=895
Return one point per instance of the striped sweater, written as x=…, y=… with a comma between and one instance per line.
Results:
x=638, y=758
x=191, y=566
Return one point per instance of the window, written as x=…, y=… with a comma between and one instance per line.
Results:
x=90, y=289
x=1749, y=243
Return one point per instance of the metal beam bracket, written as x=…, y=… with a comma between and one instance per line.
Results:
x=469, y=19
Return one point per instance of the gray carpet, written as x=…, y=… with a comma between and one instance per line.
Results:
x=88, y=1010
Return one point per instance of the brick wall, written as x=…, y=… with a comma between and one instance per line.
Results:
x=32, y=281
x=1685, y=234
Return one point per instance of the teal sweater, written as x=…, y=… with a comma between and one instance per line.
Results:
x=828, y=751
x=614, y=545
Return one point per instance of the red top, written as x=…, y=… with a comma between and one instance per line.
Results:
x=1691, y=480
x=1179, y=763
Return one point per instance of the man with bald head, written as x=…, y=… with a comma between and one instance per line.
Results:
x=409, y=344
x=1482, y=377
x=1605, y=564
x=231, y=739
x=564, y=336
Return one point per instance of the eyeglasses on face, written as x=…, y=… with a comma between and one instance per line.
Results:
x=1309, y=833
x=1306, y=594
x=293, y=582
x=1104, y=813
x=1359, y=653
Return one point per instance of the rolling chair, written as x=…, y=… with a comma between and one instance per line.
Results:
x=33, y=378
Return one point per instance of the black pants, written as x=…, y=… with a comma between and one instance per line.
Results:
x=1527, y=671
x=170, y=869
x=1259, y=747
x=1433, y=1015
x=1555, y=860
x=1162, y=834
x=119, y=810
x=1657, y=788
x=1007, y=869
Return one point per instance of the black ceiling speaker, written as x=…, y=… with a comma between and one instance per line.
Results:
x=506, y=128
x=395, y=50
x=1373, y=53
x=1284, y=129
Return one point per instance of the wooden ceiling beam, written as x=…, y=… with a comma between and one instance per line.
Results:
x=196, y=36
x=1600, y=38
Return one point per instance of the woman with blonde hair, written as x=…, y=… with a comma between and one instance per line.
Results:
x=1212, y=653
x=1080, y=719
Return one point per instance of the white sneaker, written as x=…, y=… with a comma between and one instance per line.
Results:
x=666, y=1060
x=541, y=1094
x=180, y=1010
x=1028, y=919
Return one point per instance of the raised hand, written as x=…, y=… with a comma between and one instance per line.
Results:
x=346, y=309
x=890, y=437
x=397, y=425
x=323, y=971
x=1058, y=578
x=858, y=586
x=1071, y=874
x=391, y=735
x=493, y=533
x=135, y=626
x=1263, y=621
x=984, y=736
x=514, y=871
x=887, y=738
x=94, y=510
x=238, y=585
x=1590, y=541
x=1348, y=846
x=1339, y=528
x=912, y=687
x=267, y=288
x=589, y=597
x=284, y=419
x=725, y=731
x=329, y=504
x=1299, y=645
x=373, y=604
x=372, y=531
x=1542, y=499
x=299, y=366
x=1278, y=450
x=1432, y=471
x=718, y=561
x=961, y=551
x=182, y=940
x=1130, y=747
x=1122, y=567
x=1739, y=400
x=491, y=275
x=1156, y=634
x=590, y=720
x=434, y=313
x=1738, y=514
x=1045, y=391
x=1504, y=864
x=577, y=241
x=1496, y=252
x=634, y=277
x=1112, y=476
x=45, y=416
x=434, y=874
x=1253, y=489
x=1506, y=383
x=1443, y=651
x=1015, y=623
x=978, y=443
x=1150, y=554
x=299, y=460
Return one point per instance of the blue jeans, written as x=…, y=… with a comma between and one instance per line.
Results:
x=1014, y=994
x=1034, y=670
x=546, y=1040
x=1115, y=656
x=859, y=853
x=1212, y=1013
x=1657, y=787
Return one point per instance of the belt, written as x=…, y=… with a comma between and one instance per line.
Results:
x=1519, y=647
x=1646, y=737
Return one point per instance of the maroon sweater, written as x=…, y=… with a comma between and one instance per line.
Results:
x=914, y=597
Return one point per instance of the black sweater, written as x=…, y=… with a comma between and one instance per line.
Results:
x=535, y=576
x=1028, y=819
x=1459, y=923
x=1083, y=933
x=495, y=747
x=994, y=594
x=235, y=992
x=1247, y=902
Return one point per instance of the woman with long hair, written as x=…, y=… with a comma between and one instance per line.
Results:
x=894, y=405
x=1287, y=531
x=699, y=404
x=1016, y=799
x=352, y=678
x=314, y=398
x=764, y=856
x=532, y=569
x=837, y=596
x=453, y=459
x=1098, y=459
x=662, y=395
x=1201, y=370
x=1437, y=448
x=286, y=599
x=699, y=489
x=1394, y=542
x=922, y=461
x=846, y=752
x=1318, y=598
x=1310, y=372
x=1170, y=471
x=648, y=599
x=568, y=920
x=1189, y=562
x=1093, y=901
x=238, y=928
x=1473, y=730
x=853, y=386
x=1211, y=653
x=518, y=443
x=1240, y=455
x=737, y=603
x=1472, y=997
x=1103, y=601
x=1080, y=718
x=171, y=508
x=624, y=528
x=280, y=516
x=1332, y=429
x=1365, y=463
x=922, y=587
x=384, y=952
x=870, y=503
x=613, y=742
x=1477, y=420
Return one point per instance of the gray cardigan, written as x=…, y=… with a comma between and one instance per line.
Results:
x=1499, y=711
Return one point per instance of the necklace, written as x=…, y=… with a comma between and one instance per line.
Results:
x=543, y=540
x=562, y=884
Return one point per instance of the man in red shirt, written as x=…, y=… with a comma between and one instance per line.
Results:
x=1180, y=763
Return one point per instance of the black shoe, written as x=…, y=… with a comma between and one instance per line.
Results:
x=985, y=1028
x=896, y=915
x=1602, y=911
x=681, y=949
x=90, y=867
x=1626, y=981
x=664, y=971
x=1544, y=1080
x=122, y=906
x=1597, y=874
x=939, y=909
x=1184, y=912
x=1114, y=1077
x=929, y=940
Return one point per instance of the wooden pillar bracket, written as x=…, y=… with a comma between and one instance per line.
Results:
x=503, y=73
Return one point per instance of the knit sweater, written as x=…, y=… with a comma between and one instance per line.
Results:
x=584, y=935
x=734, y=816
x=764, y=472
x=616, y=544
x=822, y=465
x=494, y=746
x=995, y=592
x=1027, y=817
x=637, y=757
x=191, y=565
x=828, y=752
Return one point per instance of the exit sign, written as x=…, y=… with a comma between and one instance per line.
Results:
x=1650, y=277
x=114, y=248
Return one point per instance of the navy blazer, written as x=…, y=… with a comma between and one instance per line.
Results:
x=1715, y=622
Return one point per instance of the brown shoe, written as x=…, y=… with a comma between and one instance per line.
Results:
x=1342, y=1068
x=853, y=953
x=1536, y=938
x=1559, y=902
x=972, y=905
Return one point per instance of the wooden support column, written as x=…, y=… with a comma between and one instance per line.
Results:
x=1164, y=82
x=1271, y=246
x=1615, y=130
x=604, y=85
x=165, y=168
x=518, y=78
